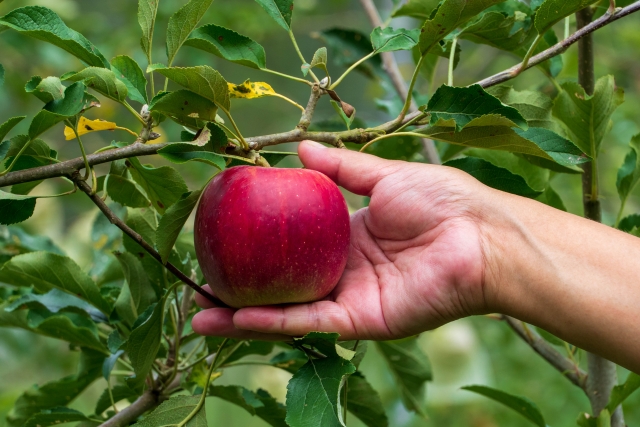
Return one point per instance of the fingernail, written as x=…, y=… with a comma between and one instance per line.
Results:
x=315, y=144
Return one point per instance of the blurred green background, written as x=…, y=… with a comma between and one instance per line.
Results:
x=470, y=351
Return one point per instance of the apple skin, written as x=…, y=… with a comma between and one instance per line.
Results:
x=266, y=236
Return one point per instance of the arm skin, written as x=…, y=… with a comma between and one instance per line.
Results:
x=435, y=245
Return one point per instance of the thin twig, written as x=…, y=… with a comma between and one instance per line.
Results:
x=149, y=400
x=393, y=71
x=113, y=218
x=307, y=115
x=566, y=367
x=360, y=136
x=559, y=48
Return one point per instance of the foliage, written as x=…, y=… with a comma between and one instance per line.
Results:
x=127, y=311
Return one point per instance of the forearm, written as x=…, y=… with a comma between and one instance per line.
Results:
x=573, y=277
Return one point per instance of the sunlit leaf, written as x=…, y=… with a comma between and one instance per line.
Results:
x=147, y=12
x=620, y=393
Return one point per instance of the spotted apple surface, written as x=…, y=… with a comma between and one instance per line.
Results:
x=267, y=236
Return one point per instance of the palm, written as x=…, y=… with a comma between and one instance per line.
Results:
x=415, y=260
x=408, y=259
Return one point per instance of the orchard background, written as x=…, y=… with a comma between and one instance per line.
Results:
x=481, y=350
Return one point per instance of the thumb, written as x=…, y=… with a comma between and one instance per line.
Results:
x=357, y=172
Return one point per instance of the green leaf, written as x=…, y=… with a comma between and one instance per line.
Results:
x=38, y=153
x=503, y=31
x=129, y=72
x=182, y=23
x=229, y=45
x=185, y=107
x=629, y=223
x=46, y=271
x=419, y=9
x=57, y=393
x=326, y=343
x=280, y=10
x=450, y=15
x=537, y=142
x=203, y=80
x=164, y=185
x=388, y=39
x=534, y=106
x=147, y=12
x=119, y=392
x=551, y=12
x=620, y=393
x=411, y=369
x=15, y=208
x=521, y=405
x=143, y=222
x=137, y=294
x=124, y=191
x=6, y=127
x=364, y=402
x=493, y=176
x=313, y=393
x=290, y=360
x=46, y=90
x=55, y=416
x=1, y=77
x=348, y=46
x=629, y=173
x=43, y=24
x=55, y=301
x=58, y=110
x=536, y=178
x=175, y=410
x=143, y=345
x=102, y=81
x=72, y=327
x=471, y=106
x=552, y=198
x=109, y=364
x=181, y=152
x=319, y=60
x=259, y=404
x=587, y=118
x=173, y=221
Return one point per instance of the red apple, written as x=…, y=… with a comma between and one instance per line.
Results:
x=268, y=236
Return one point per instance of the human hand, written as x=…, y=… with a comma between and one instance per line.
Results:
x=416, y=259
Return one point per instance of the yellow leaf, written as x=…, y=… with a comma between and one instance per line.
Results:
x=86, y=126
x=253, y=90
